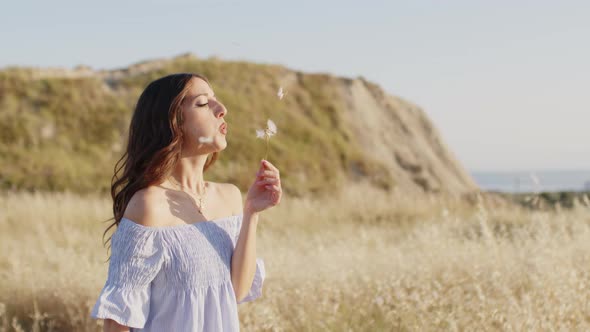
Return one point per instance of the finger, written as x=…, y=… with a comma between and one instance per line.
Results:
x=276, y=197
x=272, y=187
x=273, y=169
x=267, y=173
x=269, y=181
x=261, y=168
x=269, y=177
x=264, y=172
x=266, y=182
x=271, y=166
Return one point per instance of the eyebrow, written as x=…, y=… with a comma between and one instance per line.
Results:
x=202, y=94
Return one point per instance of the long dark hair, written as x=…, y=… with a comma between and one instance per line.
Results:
x=154, y=143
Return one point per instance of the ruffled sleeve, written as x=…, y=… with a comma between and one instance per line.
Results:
x=260, y=274
x=137, y=255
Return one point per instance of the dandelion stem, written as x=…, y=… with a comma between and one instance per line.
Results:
x=266, y=154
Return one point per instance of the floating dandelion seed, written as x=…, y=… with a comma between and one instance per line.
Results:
x=537, y=183
x=204, y=139
x=280, y=93
x=271, y=129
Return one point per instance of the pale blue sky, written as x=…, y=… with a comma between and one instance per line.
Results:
x=506, y=82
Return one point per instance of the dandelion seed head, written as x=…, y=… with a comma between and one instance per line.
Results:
x=271, y=127
x=260, y=133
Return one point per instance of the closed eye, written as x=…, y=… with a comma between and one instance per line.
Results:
x=201, y=105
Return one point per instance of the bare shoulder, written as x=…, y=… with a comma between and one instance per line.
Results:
x=146, y=207
x=232, y=194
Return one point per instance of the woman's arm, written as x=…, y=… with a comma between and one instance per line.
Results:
x=264, y=193
x=112, y=326
x=243, y=264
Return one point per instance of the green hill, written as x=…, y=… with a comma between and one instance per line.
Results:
x=65, y=129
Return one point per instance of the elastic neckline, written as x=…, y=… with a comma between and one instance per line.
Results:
x=193, y=224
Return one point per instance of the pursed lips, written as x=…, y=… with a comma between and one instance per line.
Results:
x=223, y=127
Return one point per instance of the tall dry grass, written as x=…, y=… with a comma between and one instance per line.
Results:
x=358, y=261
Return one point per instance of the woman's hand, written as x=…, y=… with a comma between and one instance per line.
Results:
x=266, y=191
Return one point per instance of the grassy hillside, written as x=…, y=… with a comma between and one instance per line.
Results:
x=65, y=132
x=361, y=260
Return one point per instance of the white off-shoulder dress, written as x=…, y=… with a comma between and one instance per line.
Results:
x=174, y=278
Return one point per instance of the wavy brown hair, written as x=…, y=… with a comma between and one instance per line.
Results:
x=154, y=143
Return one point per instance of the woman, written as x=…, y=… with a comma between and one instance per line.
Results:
x=184, y=251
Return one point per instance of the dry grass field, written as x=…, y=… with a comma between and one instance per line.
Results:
x=358, y=261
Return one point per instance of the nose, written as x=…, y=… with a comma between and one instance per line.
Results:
x=220, y=109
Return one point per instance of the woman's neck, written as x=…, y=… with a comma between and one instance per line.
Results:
x=189, y=173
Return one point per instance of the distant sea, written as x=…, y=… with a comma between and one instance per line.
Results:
x=533, y=181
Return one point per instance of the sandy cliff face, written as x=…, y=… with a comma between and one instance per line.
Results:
x=400, y=135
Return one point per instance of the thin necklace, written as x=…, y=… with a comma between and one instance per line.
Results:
x=200, y=206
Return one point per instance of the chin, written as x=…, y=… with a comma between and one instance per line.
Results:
x=221, y=145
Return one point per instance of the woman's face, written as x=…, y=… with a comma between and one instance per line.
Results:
x=202, y=115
